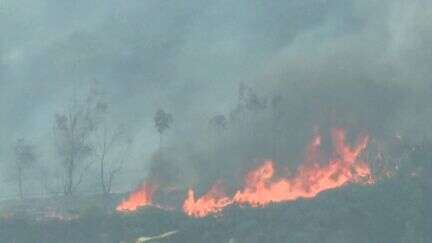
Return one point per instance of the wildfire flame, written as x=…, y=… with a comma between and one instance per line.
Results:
x=213, y=201
x=263, y=186
x=141, y=197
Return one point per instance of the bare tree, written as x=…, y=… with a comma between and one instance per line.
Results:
x=25, y=157
x=163, y=121
x=73, y=130
x=111, y=150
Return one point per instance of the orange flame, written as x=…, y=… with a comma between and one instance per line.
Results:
x=141, y=197
x=263, y=187
x=212, y=202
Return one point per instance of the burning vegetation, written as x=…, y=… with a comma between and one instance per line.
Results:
x=141, y=197
x=262, y=186
x=265, y=184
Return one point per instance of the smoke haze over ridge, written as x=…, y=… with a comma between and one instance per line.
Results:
x=361, y=64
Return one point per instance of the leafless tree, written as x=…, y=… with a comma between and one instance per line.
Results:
x=73, y=130
x=25, y=157
x=111, y=150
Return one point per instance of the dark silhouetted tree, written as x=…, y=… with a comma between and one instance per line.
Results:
x=163, y=121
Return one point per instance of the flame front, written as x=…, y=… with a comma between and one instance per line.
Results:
x=212, y=202
x=262, y=186
x=141, y=197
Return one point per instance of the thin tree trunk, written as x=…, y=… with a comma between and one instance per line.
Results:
x=160, y=141
x=20, y=184
x=102, y=166
x=102, y=176
x=69, y=179
x=103, y=183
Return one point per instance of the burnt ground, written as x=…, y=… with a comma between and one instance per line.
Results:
x=395, y=210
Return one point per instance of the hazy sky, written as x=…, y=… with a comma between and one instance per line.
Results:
x=188, y=57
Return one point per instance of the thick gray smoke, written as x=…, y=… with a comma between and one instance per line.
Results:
x=275, y=70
